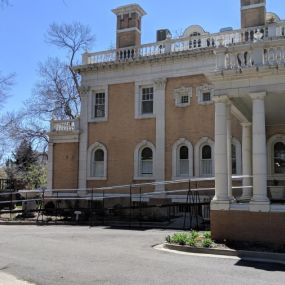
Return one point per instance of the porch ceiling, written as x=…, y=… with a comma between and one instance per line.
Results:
x=274, y=107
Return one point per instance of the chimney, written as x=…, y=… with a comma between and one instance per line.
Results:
x=129, y=25
x=253, y=13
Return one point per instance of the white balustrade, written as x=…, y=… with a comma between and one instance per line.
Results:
x=172, y=46
x=64, y=125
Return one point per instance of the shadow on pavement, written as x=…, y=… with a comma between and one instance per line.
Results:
x=266, y=266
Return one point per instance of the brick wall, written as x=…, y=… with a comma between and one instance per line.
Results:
x=65, y=166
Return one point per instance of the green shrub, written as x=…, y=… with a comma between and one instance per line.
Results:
x=192, y=242
x=194, y=235
x=179, y=238
x=207, y=242
x=207, y=235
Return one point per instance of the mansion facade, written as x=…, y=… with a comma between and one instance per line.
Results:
x=201, y=105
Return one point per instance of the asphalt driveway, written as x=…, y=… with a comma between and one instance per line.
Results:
x=47, y=255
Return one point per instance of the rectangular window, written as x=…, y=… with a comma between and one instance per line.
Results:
x=147, y=100
x=99, y=105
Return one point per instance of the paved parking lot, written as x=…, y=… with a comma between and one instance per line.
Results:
x=47, y=255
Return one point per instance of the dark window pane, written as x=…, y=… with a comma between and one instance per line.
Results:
x=147, y=107
x=146, y=154
x=279, y=158
x=99, y=155
x=206, y=96
x=206, y=152
x=183, y=153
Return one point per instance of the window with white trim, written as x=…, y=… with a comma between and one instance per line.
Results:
x=182, y=96
x=183, y=162
x=146, y=162
x=276, y=155
x=99, y=103
x=205, y=94
x=146, y=100
x=144, y=158
x=279, y=157
x=98, y=163
x=206, y=163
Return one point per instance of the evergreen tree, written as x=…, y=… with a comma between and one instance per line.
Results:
x=24, y=157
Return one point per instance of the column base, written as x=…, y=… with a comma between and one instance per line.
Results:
x=220, y=205
x=259, y=206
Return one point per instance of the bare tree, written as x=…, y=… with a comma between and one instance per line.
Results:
x=56, y=94
x=74, y=38
x=5, y=85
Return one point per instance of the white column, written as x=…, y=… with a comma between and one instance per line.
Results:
x=159, y=110
x=50, y=166
x=246, y=161
x=229, y=151
x=221, y=199
x=260, y=201
x=83, y=143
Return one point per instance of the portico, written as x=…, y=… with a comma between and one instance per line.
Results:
x=253, y=108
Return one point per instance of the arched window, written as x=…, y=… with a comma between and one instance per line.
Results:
x=97, y=162
x=183, y=164
x=276, y=155
x=144, y=158
x=279, y=158
x=206, y=161
x=182, y=159
x=146, y=162
x=204, y=157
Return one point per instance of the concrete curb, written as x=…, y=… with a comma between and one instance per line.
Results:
x=243, y=254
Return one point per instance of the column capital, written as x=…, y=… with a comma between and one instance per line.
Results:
x=257, y=95
x=221, y=99
x=84, y=90
x=160, y=83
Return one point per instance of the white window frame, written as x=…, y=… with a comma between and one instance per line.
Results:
x=90, y=155
x=270, y=152
x=175, y=158
x=181, y=92
x=139, y=85
x=200, y=90
x=94, y=91
x=137, y=161
x=198, y=151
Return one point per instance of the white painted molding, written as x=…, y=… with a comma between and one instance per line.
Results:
x=90, y=153
x=178, y=93
x=197, y=154
x=270, y=153
x=138, y=87
x=91, y=103
x=175, y=158
x=202, y=89
x=137, y=155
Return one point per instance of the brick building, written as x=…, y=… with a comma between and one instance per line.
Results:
x=200, y=105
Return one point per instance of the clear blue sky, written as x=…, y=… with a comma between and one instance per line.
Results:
x=24, y=24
